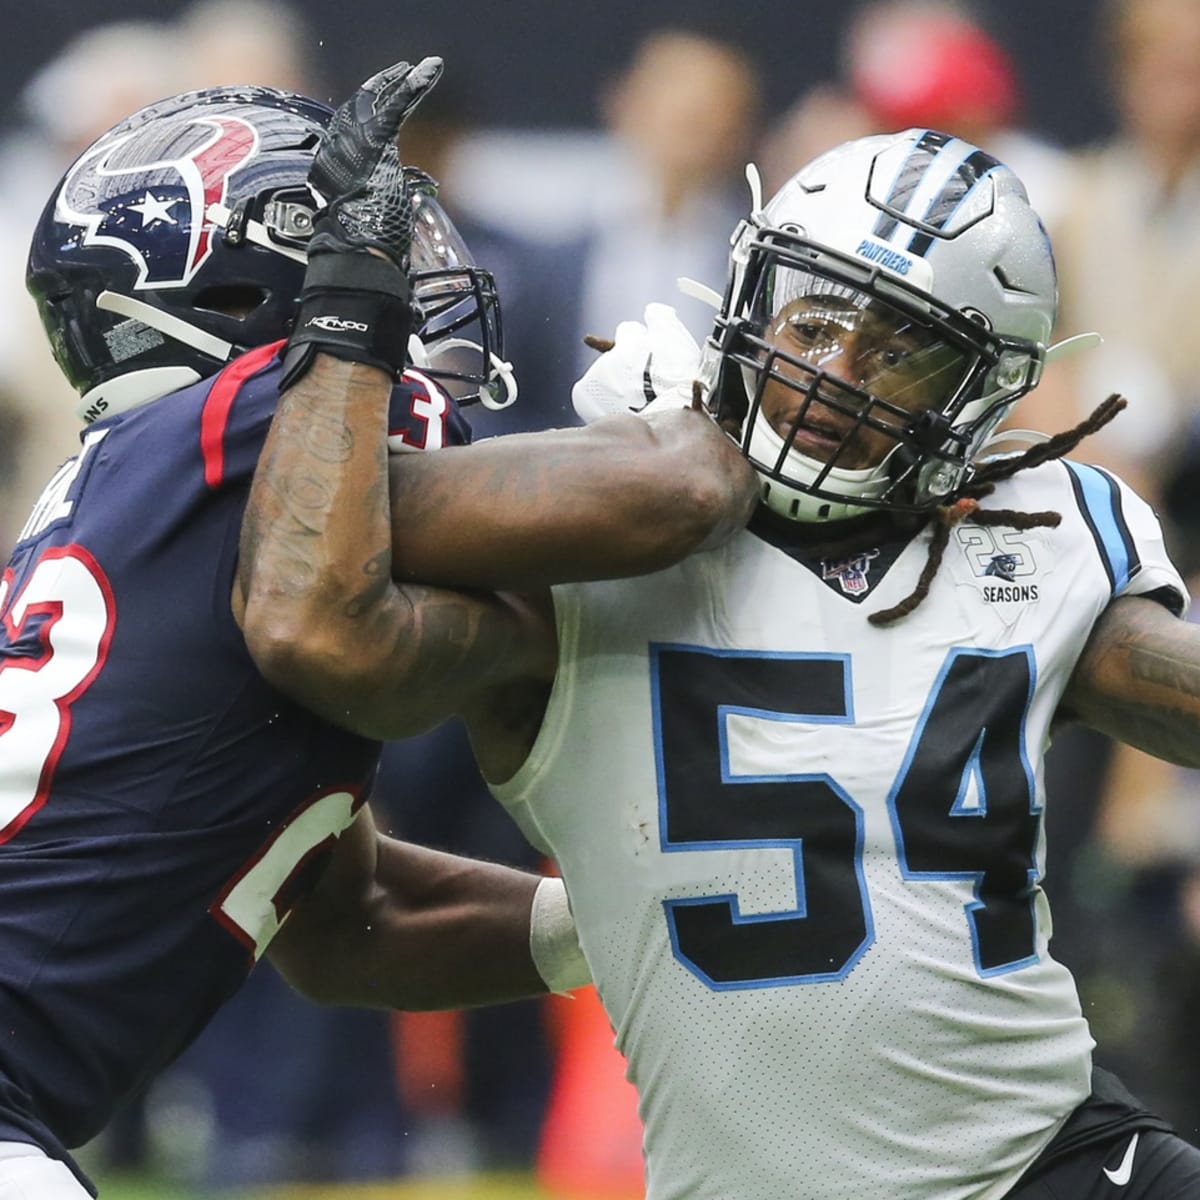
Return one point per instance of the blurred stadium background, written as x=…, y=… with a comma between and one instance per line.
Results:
x=589, y=162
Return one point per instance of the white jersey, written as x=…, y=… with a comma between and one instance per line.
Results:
x=804, y=853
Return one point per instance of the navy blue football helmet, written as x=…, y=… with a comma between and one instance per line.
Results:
x=178, y=240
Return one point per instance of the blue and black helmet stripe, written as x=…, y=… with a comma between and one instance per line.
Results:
x=909, y=177
x=1099, y=500
x=958, y=187
x=960, y=181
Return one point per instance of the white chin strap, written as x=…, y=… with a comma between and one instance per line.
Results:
x=788, y=498
x=166, y=323
x=699, y=291
x=1073, y=345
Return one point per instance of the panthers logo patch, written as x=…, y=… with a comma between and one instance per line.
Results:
x=1003, y=566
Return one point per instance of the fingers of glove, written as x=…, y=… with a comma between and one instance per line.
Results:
x=362, y=132
x=673, y=352
x=663, y=320
x=384, y=102
x=668, y=333
x=613, y=383
x=631, y=341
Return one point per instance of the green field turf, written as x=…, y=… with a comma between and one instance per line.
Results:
x=506, y=1187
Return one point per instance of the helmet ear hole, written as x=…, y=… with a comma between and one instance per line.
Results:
x=236, y=300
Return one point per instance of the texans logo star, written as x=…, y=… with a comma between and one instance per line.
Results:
x=134, y=191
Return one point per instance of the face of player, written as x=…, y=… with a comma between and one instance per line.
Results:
x=852, y=344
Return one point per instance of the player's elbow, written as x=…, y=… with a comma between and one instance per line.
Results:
x=319, y=984
x=307, y=664
x=350, y=681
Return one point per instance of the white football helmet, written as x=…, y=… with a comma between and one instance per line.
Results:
x=925, y=244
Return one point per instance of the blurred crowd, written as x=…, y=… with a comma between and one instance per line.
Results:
x=277, y=1089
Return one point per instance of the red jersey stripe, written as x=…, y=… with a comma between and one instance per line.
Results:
x=215, y=415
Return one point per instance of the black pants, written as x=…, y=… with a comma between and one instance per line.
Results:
x=1112, y=1148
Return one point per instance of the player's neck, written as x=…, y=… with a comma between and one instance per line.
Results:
x=825, y=538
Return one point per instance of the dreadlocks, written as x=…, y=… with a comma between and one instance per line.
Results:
x=965, y=503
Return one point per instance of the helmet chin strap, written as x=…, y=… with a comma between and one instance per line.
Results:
x=140, y=387
x=754, y=183
x=1072, y=345
x=167, y=323
x=699, y=291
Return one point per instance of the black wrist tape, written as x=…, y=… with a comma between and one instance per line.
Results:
x=357, y=307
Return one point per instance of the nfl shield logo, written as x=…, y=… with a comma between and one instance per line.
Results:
x=850, y=573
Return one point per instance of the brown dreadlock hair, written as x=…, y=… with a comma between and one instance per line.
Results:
x=964, y=505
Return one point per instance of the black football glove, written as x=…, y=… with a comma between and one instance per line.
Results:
x=356, y=302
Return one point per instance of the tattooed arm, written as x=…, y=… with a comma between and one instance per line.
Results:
x=321, y=615
x=322, y=541
x=620, y=497
x=1138, y=680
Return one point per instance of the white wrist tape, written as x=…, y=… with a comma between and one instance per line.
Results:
x=553, y=943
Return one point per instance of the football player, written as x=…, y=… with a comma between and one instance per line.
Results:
x=794, y=783
x=166, y=816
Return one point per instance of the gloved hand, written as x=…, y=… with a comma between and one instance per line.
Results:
x=356, y=304
x=650, y=366
x=357, y=172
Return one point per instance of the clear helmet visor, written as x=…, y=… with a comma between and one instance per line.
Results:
x=441, y=261
x=461, y=334
x=847, y=392
x=460, y=340
x=861, y=345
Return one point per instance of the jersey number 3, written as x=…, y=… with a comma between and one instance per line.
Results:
x=969, y=743
x=64, y=613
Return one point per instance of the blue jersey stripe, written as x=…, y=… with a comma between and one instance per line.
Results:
x=1099, y=501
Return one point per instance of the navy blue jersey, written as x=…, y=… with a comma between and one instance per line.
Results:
x=161, y=807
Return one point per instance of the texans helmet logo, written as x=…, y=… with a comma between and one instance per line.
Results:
x=139, y=191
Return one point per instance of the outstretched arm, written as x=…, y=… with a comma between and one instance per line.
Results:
x=324, y=540
x=322, y=614
x=1138, y=680
x=622, y=497
x=393, y=925
x=322, y=617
